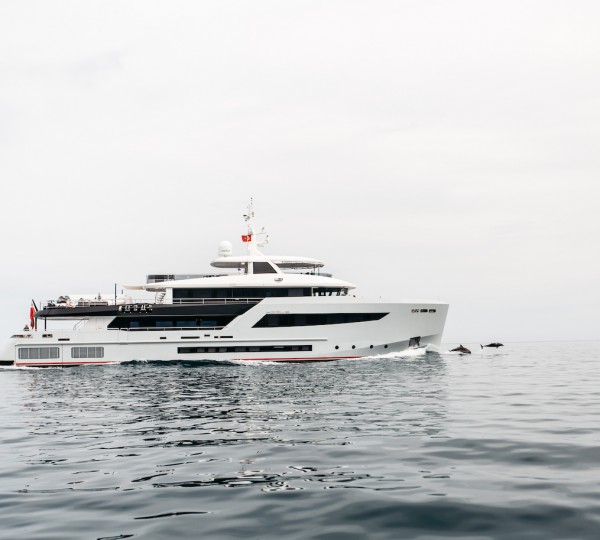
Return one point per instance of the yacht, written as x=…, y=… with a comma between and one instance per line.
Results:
x=254, y=307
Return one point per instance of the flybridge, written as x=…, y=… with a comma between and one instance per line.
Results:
x=253, y=263
x=283, y=262
x=256, y=262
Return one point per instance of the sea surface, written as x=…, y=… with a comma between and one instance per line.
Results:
x=497, y=444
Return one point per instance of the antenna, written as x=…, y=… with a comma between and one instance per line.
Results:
x=248, y=219
x=250, y=213
x=251, y=238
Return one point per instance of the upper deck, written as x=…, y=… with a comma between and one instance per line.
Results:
x=248, y=278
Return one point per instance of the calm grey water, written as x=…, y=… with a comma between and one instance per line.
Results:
x=499, y=444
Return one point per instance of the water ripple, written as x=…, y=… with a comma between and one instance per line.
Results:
x=483, y=446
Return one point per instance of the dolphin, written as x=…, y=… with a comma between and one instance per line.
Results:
x=495, y=345
x=461, y=349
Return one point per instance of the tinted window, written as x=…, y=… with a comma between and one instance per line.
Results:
x=315, y=319
x=171, y=322
x=242, y=348
x=264, y=268
x=241, y=292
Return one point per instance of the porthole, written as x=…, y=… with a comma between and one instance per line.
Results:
x=337, y=347
x=370, y=347
x=385, y=346
x=354, y=346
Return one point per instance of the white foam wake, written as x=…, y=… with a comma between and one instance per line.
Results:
x=408, y=353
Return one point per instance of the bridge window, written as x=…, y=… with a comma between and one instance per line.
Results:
x=264, y=268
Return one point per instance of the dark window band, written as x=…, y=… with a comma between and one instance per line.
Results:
x=255, y=292
x=244, y=348
x=315, y=319
x=240, y=292
x=182, y=321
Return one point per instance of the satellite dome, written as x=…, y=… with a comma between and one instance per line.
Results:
x=225, y=249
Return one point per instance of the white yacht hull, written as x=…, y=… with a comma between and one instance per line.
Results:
x=241, y=340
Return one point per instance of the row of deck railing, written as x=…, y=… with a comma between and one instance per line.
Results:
x=149, y=301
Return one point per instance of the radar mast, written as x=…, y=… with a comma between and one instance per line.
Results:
x=254, y=240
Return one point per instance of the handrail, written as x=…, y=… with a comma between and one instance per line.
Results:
x=216, y=300
x=151, y=302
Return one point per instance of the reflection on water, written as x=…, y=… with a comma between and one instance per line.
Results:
x=198, y=405
x=423, y=444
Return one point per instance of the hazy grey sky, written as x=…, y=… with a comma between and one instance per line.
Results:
x=425, y=149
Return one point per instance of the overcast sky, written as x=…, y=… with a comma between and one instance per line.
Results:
x=423, y=149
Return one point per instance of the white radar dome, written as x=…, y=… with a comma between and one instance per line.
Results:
x=225, y=249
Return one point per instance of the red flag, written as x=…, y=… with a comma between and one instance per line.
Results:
x=31, y=316
x=246, y=238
